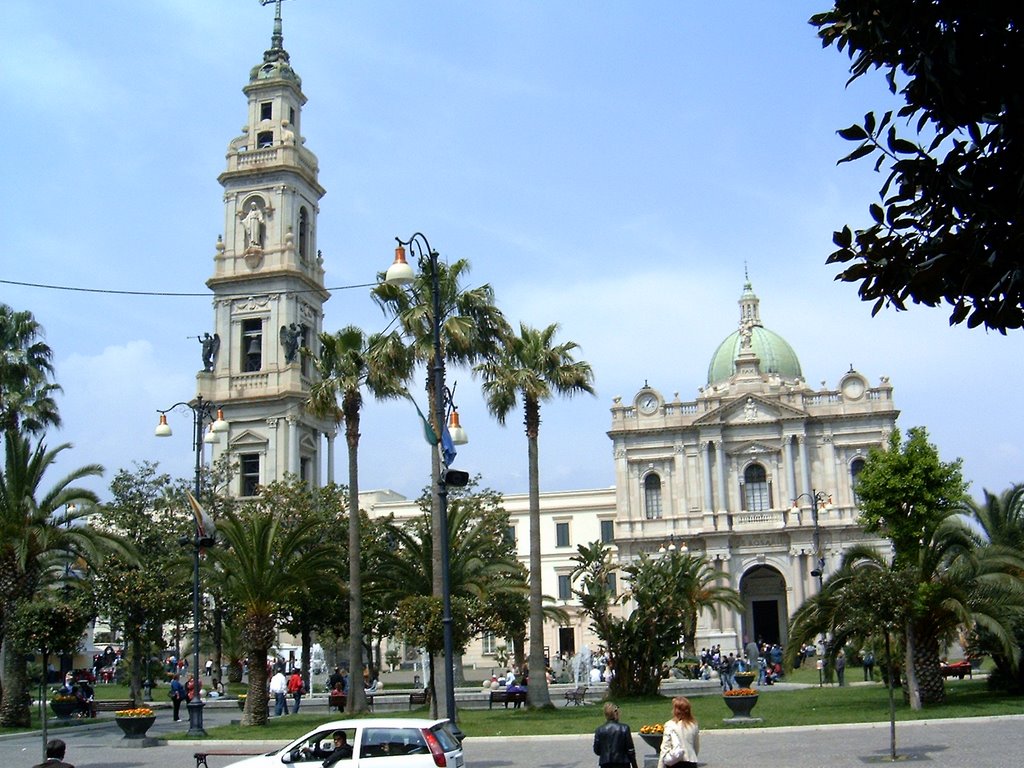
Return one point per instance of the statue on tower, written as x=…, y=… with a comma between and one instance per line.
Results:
x=291, y=335
x=211, y=344
x=253, y=223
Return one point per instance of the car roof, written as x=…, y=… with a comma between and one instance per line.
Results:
x=383, y=722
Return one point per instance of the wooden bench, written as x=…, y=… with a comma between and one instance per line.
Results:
x=109, y=705
x=201, y=756
x=417, y=698
x=577, y=696
x=516, y=698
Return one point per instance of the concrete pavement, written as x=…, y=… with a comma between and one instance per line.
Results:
x=965, y=743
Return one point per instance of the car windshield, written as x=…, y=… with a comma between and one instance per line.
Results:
x=322, y=744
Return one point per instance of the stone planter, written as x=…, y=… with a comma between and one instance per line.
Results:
x=741, y=707
x=63, y=709
x=652, y=740
x=135, y=727
x=745, y=679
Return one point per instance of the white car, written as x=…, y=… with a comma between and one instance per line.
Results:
x=394, y=742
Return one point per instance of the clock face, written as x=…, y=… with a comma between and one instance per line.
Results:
x=647, y=403
x=853, y=387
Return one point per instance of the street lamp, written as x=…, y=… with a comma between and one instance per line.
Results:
x=819, y=500
x=202, y=411
x=400, y=273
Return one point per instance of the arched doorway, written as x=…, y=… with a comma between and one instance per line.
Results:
x=766, y=612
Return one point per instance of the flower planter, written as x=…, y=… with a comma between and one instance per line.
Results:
x=63, y=709
x=652, y=740
x=745, y=679
x=135, y=727
x=741, y=706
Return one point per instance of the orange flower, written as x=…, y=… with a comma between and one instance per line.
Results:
x=741, y=692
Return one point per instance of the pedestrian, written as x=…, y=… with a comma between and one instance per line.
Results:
x=613, y=741
x=177, y=694
x=869, y=666
x=841, y=668
x=55, y=749
x=279, y=690
x=681, y=740
x=209, y=667
x=296, y=688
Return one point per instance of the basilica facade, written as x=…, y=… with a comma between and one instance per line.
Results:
x=756, y=473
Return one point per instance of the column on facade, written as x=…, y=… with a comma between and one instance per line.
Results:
x=723, y=492
x=709, y=505
x=293, y=445
x=330, y=456
x=679, y=484
x=829, y=461
x=272, y=465
x=805, y=462
x=797, y=560
x=790, y=471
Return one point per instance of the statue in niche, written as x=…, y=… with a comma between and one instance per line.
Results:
x=291, y=335
x=253, y=223
x=211, y=345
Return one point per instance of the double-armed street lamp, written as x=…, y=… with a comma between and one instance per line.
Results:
x=400, y=273
x=203, y=411
x=819, y=500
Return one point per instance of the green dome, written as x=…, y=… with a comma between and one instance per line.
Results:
x=774, y=352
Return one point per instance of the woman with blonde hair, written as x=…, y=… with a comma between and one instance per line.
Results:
x=681, y=741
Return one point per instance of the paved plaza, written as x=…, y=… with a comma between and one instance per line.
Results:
x=965, y=743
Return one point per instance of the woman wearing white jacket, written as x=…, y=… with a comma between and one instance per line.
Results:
x=681, y=742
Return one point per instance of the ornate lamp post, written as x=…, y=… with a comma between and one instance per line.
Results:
x=400, y=273
x=202, y=411
x=819, y=500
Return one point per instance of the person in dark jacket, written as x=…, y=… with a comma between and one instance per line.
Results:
x=613, y=741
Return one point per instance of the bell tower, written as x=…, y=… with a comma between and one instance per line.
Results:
x=268, y=285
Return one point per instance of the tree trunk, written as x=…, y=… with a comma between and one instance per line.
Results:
x=356, y=702
x=14, y=705
x=519, y=649
x=135, y=667
x=306, y=654
x=257, y=708
x=537, y=690
x=911, y=691
x=931, y=684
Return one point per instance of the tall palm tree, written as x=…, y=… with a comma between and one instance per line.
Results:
x=263, y=566
x=348, y=361
x=26, y=395
x=533, y=367
x=38, y=531
x=472, y=329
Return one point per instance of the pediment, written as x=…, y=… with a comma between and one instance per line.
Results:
x=248, y=438
x=750, y=409
x=753, y=448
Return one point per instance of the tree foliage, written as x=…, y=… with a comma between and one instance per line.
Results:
x=659, y=610
x=950, y=223
x=26, y=365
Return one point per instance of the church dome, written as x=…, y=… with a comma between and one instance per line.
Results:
x=773, y=352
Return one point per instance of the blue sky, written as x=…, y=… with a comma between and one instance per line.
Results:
x=609, y=166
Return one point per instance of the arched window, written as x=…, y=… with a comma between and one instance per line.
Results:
x=756, y=493
x=855, y=467
x=303, y=233
x=652, y=496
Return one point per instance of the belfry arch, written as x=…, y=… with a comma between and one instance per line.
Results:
x=765, y=607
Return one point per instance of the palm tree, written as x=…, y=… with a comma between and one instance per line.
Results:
x=533, y=367
x=263, y=566
x=1001, y=522
x=472, y=328
x=347, y=362
x=694, y=585
x=26, y=395
x=478, y=573
x=40, y=531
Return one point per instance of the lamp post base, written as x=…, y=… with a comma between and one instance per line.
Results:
x=195, y=719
